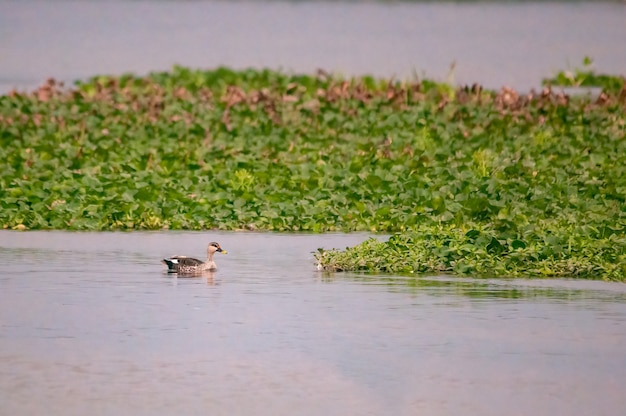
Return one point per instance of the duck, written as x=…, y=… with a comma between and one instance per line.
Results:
x=189, y=266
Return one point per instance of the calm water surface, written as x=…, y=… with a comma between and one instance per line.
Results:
x=510, y=43
x=90, y=324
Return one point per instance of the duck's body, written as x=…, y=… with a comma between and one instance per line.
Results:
x=184, y=265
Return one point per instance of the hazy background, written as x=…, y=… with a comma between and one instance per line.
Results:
x=493, y=43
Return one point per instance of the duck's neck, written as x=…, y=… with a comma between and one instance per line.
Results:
x=209, y=264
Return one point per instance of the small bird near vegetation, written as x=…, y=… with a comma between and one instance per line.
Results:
x=184, y=265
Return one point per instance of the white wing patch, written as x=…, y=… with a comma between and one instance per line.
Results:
x=175, y=261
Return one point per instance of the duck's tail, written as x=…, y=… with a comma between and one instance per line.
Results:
x=172, y=265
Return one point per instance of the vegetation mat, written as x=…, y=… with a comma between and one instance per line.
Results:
x=493, y=183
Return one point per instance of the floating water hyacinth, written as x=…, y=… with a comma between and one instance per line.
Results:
x=541, y=175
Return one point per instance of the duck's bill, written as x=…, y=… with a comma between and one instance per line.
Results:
x=224, y=252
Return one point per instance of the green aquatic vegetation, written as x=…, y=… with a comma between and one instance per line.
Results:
x=545, y=249
x=264, y=150
x=587, y=77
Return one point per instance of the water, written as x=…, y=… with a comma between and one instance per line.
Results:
x=90, y=324
x=496, y=44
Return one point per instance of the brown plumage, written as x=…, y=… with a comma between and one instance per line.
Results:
x=184, y=265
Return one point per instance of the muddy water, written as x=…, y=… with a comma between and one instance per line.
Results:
x=509, y=43
x=90, y=324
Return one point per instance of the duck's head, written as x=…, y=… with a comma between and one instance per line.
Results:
x=213, y=247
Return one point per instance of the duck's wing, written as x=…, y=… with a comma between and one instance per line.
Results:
x=177, y=264
x=185, y=261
